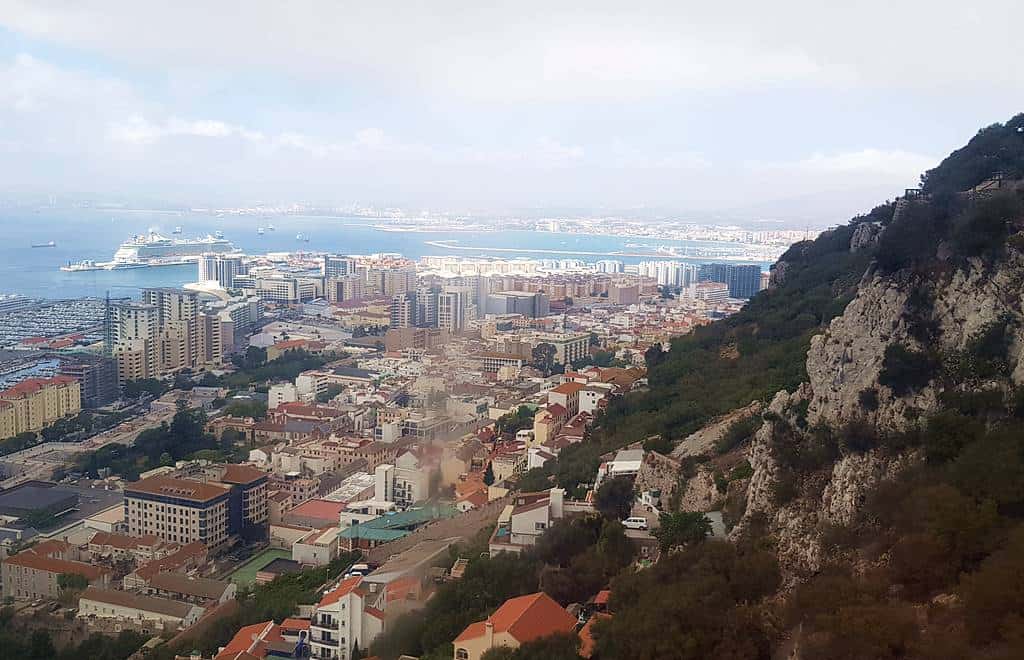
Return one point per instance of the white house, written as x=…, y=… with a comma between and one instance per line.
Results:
x=522, y=523
x=625, y=464
x=343, y=618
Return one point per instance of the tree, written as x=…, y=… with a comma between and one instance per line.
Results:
x=682, y=528
x=534, y=480
x=543, y=357
x=615, y=498
x=489, y=475
x=72, y=581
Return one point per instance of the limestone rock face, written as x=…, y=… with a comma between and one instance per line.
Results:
x=703, y=441
x=853, y=478
x=865, y=235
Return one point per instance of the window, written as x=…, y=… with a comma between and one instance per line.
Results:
x=539, y=526
x=462, y=654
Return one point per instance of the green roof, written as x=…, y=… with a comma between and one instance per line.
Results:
x=393, y=526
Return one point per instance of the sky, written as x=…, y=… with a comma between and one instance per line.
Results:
x=803, y=111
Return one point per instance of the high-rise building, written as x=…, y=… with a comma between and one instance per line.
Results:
x=531, y=304
x=452, y=308
x=344, y=288
x=403, y=311
x=96, y=375
x=336, y=266
x=178, y=327
x=426, y=306
x=134, y=329
x=396, y=281
x=609, y=266
x=221, y=268
x=744, y=280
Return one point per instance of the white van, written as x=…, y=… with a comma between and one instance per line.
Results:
x=635, y=523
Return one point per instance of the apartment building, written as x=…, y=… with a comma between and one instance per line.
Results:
x=178, y=510
x=38, y=402
x=343, y=618
x=35, y=572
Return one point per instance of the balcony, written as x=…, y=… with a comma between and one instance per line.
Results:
x=327, y=624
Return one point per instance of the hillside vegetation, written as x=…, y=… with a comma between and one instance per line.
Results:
x=930, y=564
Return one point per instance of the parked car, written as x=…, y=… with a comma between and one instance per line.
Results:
x=636, y=522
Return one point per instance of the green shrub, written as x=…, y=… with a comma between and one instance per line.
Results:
x=868, y=398
x=738, y=432
x=858, y=436
x=905, y=370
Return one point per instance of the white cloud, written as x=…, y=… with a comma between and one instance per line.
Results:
x=137, y=130
x=534, y=50
x=879, y=163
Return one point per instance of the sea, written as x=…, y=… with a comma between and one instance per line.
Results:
x=94, y=234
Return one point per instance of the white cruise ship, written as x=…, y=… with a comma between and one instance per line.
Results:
x=153, y=246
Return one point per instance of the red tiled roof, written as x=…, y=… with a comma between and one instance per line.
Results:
x=557, y=410
x=250, y=641
x=525, y=618
x=179, y=488
x=602, y=597
x=123, y=541
x=172, y=561
x=51, y=565
x=241, y=474
x=324, y=509
x=49, y=548
x=295, y=624
x=374, y=612
x=568, y=388
x=401, y=588
x=587, y=636
x=33, y=385
x=344, y=588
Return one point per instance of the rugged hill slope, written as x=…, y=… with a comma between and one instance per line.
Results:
x=887, y=476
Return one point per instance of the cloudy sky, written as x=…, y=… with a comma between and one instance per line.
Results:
x=783, y=109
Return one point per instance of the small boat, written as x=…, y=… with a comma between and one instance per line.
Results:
x=270, y=227
x=177, y=230
x=43, y=245
x=259, y=231
x=218, y=234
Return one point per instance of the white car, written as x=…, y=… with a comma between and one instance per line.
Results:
x=637, y=522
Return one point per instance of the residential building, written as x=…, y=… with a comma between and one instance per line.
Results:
x=96, y=376
x=38, y=402
x=520, y=524
x=453, y=308
x=178, y=510
x=35, y=572
x=343, y=618
x=531, y=304
x=137, y=609
x=190, y=588
x=221, y=268
x=567, y=395
x=403, y=483
x=337, y=266
x=516, y=622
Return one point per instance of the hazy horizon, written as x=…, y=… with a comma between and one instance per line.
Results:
x=802, y=112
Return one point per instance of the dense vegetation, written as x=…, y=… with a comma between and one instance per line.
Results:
x=24, y=644
x=159, y=446
x=571, y=562
x=939, y=551
x=276, y=600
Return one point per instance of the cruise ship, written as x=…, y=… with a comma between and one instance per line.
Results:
x=146, y=247
x=152, y=249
